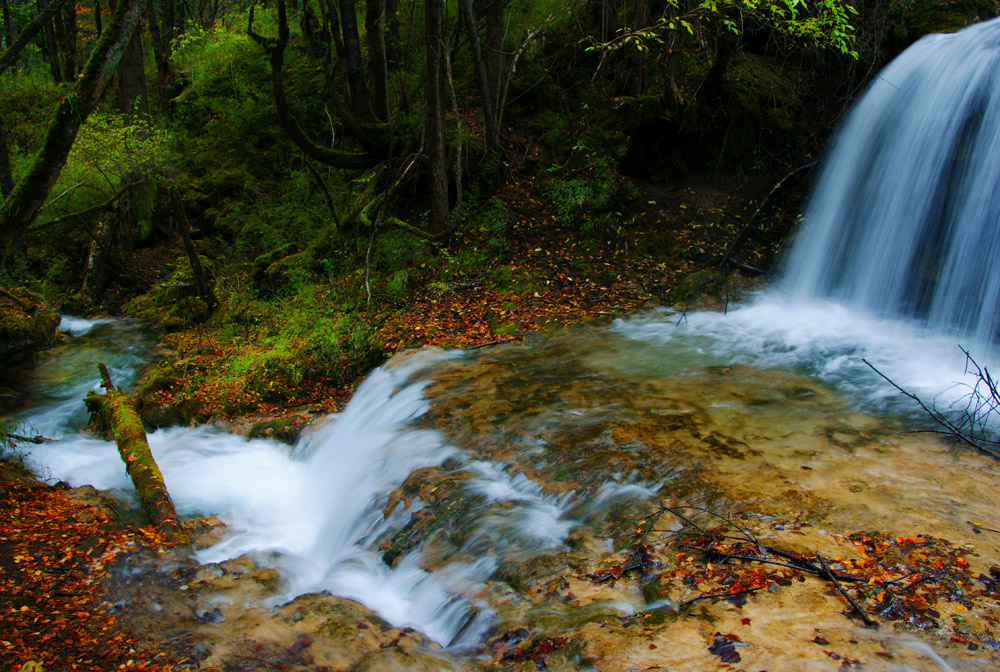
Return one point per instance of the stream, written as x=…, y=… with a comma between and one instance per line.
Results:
x=455, y=482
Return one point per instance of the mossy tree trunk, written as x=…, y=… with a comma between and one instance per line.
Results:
x=115, y=410
x=22, y=205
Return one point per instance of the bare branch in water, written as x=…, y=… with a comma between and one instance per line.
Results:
x=972, y=424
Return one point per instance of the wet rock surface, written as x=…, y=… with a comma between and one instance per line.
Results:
x=563, y=449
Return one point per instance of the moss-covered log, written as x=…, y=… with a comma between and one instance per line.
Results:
x=116, y=412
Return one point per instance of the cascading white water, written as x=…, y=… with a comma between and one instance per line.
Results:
x=314, y=511
x=905, y=219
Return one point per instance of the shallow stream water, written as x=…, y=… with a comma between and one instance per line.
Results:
x=457, y=485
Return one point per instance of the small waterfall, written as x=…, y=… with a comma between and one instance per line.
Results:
x=905, y=220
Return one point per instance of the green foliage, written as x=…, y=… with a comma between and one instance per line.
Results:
x=591, y=195
x=494, y=219
x=109, y=150
x=314, y=339
x=27, y=101
x=825, y=23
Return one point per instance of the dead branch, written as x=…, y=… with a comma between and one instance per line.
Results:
x=640, y=548
x=29, y=439
x=719, y=594
x=951, y=429
x=836, y=584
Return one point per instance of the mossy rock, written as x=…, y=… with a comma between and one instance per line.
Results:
x=528, y=284
x=922, y=17
x=710, y=289
x=282, y=429
x=25, y=330
x=501, y=278
x=286, y=274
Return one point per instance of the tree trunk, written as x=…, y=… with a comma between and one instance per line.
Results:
x=477, y=59
x=725, y=50
x=356, y=85
x=161, y=54
x=97, y=271
x=457, y=214
x=50, y=49
x=6, y=180
x=436, y=149
x=604, y=18
x=132, y=94
x=494, y=50
x=8, y=31
x=171, y=29
x=204, y=291
x=65, y=22
x=22, y=205
x=115, y=410
x=378, y=67
x=98, y=23
x=276, y=52
x=391, y=35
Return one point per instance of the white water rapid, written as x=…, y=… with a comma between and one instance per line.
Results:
x=315, y=511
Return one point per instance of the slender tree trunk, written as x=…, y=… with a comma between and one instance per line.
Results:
x=713, y=80
x=436, y=149
x=164, y=73
x=98, y=23
x=494, y=50
x=13, y=50
x=22, y=205
x=378, y=67
x=472, y=31
x=456, y=215
x=204, y=290
x=6, y=181
x=8, y=30
x=97, y=270
x=391, y=35
x=50, y=50
x=67, y=44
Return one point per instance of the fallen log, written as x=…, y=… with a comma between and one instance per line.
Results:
x=115, y=411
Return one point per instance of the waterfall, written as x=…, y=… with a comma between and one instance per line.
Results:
x=905, y=219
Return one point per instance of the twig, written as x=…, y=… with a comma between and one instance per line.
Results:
x=639, y=546
x=911, y=584
x=836, y=584
x=724, y=594
x=20, y=304
x=749, y=535
x=499, y=341
x=743, y=232
x=977, y=526
x=29, y=439
x=105, y=377
x=936, y=415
